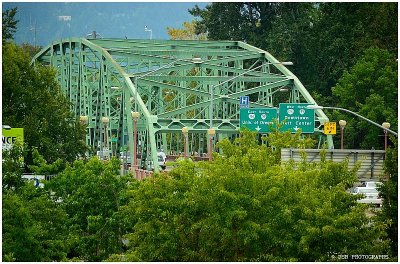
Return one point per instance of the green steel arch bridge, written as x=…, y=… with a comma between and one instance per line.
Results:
x=172, y=84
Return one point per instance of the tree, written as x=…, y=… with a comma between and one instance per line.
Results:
x=339, y=35
x=33, y=226
x=246, y=206
x=339, y=38
x=249, y=22
x=91, y=194
x=18, y=234
x=370, y=89
x=322, y=39
x=30, y=49
x=74, y=217
x=42, y=167
x=389, y=193
x=33, y=100
x=12, y=165
x=187, y=33
x=9, y=24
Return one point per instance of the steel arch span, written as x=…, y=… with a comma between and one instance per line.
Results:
x=171, y=84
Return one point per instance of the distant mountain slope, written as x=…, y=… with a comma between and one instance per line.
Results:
x=110, y=20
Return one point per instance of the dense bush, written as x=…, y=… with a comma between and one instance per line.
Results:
x=245, y=206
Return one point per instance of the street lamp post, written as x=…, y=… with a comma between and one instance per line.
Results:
x=135, y=117
x=317, y=107
x=211, y=133
x=387, y=126
x=342, y=124
x=185, y=133
x=84, y=121
x=105, y=121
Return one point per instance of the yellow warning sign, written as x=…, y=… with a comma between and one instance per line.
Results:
x=330, y=128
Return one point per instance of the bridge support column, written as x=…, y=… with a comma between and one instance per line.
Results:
x=201, y=144
x=129, y=122
x=164, y=143
x=211, y=139
x=186, y=146
x=329, y=141
x=208, y=145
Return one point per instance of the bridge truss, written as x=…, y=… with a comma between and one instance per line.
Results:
x=170, y=83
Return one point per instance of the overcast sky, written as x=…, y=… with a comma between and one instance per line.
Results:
x=54, y=20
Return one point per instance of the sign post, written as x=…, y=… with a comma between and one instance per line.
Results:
x=296, y=117
x=257, y=119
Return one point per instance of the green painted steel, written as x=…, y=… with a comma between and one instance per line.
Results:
x=170, y=84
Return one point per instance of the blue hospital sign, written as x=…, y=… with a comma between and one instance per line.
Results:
x=244, y=101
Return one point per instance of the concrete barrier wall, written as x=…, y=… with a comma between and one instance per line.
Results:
x=371, y=160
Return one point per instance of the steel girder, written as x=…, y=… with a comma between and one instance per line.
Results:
x=170, y=84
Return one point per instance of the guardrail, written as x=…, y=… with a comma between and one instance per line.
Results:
x=32, y=176
x=371, y=160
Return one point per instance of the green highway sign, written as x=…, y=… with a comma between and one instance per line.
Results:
x=296, y=117
x=257, y=119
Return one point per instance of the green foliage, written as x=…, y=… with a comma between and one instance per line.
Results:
x=12, y=165
x=9, y=25
x=275, y=140
x=33, y=226
x=370, y=89
x=389, y=193
x=339, y=37
x=278, y=140
x=30, y=49
x=255, y=23
x=41, y=166
x=322, y=39
x=33, y=100
x=290, y=27
x=246, y=206
x=91, y=194
x=187, y=33
x=75, y=217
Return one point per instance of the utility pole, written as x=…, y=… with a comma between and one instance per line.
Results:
x=33, y=28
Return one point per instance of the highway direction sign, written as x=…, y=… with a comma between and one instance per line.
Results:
x=257, y=119
x=297, y=116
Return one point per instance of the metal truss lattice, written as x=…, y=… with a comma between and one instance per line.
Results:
x=170, y=84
